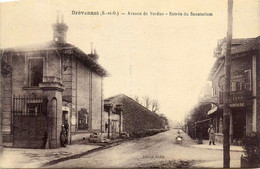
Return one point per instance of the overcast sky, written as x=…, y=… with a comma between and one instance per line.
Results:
x=165, y=57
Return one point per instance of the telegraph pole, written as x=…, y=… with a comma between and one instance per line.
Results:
x=226, y=113
x=1, y=133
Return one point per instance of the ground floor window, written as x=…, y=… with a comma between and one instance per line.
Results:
x=83, y=119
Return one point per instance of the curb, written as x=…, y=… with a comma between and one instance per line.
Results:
x=109, y=145
x=82, y=154
x=216, y=149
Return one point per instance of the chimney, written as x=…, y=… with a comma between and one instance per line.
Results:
x=60, y=30
x=93, y=53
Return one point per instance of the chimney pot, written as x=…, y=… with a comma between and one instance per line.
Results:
x=62, y=18
x=60, y=29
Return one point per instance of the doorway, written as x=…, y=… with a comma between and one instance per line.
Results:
x=66, y=123
x=239, y=124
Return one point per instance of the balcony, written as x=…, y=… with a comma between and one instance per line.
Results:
x=237, y=98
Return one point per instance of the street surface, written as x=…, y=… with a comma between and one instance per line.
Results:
x=160, y=150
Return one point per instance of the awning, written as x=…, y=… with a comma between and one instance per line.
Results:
x=211, y=111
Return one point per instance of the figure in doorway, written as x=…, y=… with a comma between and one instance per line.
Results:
x=63, y=136
x=66, y=127
x=211, y=135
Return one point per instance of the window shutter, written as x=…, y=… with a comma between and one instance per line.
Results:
x=30, y=73
x=247, y=79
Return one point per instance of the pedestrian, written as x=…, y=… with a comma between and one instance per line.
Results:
x=66, y=127
x=63, y=136
x=211, y=135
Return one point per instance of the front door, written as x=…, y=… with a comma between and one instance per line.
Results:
x=239, y=124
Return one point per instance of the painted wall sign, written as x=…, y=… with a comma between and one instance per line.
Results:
x=73, y=120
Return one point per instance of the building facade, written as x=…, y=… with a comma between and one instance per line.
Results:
x=245, y=88
x=45, y=86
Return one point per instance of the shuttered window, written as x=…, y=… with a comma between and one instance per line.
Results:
x=247, y=79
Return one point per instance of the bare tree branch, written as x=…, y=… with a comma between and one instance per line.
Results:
x=147, y=101
x=137, y=99
x=155, y=106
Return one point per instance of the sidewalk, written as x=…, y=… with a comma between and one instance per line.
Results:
x=234, y=162
x=218, y=146
x=79, y=136
x=35, y=158
x=218, y=164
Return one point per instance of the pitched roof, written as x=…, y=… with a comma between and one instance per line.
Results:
x=248, y=45
x=53, y=45
x=238, y=46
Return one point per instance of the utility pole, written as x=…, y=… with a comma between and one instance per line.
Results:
x=1, y=133
x=226, y=113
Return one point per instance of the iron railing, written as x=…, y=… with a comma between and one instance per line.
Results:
x=26, y=105
x=242, y=96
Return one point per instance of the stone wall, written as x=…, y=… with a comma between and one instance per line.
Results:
x=135, y=116
x=258, y=92
x=6, y=104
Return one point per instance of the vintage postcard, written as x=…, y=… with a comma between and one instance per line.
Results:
x=130, y=84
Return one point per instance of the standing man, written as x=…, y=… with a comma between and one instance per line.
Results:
x=211, y=135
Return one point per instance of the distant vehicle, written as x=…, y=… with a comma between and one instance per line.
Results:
x=178, y=139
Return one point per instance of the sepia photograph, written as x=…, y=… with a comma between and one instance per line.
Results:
x=130, y=84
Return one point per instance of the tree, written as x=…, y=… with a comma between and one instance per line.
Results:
x=164, y=118
x=155, y=106
x=147, y=101
x=137, y=99
x=151, y=104
x=197, y=113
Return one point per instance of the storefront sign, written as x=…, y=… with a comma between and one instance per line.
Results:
x=237, y=105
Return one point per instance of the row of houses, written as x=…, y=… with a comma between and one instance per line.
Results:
x=54, y=84
x=245, y=89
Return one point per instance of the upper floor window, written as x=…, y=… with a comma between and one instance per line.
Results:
x=243, y=83
x=237, y=86
x=35, y=71
x=247, y=79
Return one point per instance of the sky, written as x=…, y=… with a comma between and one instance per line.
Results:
x=167, y=58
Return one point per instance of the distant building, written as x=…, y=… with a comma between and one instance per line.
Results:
x=135, y=117
x=48, y=85
x=245, y=88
